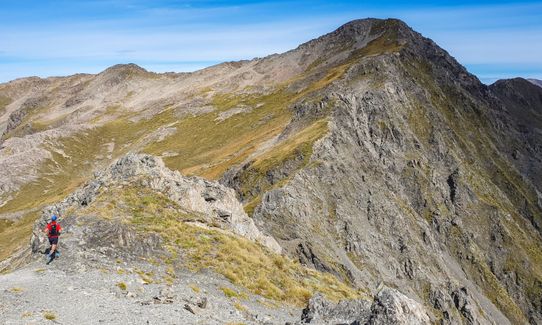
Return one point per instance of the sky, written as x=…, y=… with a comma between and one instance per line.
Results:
x=493, y=39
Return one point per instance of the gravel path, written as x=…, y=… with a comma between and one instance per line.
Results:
x=80, y=294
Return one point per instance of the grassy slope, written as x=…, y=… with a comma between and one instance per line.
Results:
x=207, y=147
x=4, y=101
x=241, y=261
x=11, y=233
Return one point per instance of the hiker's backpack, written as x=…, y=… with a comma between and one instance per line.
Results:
x=53, y=231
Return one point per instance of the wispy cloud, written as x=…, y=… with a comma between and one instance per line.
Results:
x=64, y=37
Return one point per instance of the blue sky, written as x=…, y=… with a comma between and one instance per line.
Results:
x=494, y=39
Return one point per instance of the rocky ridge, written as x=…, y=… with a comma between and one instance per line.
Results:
x=126, y=278
x=214, y=202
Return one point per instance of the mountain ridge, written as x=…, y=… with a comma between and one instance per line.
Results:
x=368, y=153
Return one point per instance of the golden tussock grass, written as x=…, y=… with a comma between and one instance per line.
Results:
x=243, y=262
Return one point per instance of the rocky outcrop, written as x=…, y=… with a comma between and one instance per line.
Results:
x=319, y=310
x=16, y=118
x=195, y=195
x=389, y=307
x=392, y=307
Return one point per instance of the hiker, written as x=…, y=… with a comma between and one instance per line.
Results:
x=53, y=230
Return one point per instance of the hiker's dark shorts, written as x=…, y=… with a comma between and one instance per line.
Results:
x=53, y=240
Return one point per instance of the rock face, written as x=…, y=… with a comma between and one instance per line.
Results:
x=369, y=153
x=391, y=307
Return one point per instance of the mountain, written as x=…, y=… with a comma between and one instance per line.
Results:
x=364, y=160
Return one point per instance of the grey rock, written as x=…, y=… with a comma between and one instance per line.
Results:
x=392, y=307
x=189, y=308
x=202, y=303
x=465, y=306
x=321, y=311
x=389, y=307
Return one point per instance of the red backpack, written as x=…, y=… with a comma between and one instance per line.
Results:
x=53, y=231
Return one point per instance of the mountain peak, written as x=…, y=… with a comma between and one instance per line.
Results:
x=515, y=82
x=521, y=95
x=374, y=22
x=371, y=36
x=121, y=72
x=125, y=68
x=367, y=28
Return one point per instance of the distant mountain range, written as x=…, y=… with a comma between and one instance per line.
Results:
x=366, y=165
x=536, y=82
